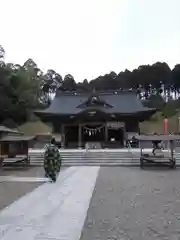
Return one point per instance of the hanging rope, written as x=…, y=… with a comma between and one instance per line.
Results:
x=93, y=130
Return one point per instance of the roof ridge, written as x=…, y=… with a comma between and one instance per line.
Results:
x=97, y=92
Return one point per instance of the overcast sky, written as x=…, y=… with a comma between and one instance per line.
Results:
x=88, y=38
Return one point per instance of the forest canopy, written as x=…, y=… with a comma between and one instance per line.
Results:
x=24, y=88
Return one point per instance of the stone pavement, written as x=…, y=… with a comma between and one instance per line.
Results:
x=51, y=211
x=22, y=179
x=92, y=203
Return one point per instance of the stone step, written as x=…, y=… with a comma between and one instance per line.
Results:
x=97, y=162
x=99, y=152
x=106, y=156
x=95, y=154
x=66, y=164
x=90, y=157
x=97, y=157
x=101, y=164
x=92, y=160
x=85, y=153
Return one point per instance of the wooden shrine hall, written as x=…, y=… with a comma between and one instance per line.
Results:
x=14, y=147
x=104, y=117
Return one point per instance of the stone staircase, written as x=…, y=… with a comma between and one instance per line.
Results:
x=94, y=157
x=93, y=145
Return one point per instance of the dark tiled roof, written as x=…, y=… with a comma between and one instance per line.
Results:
x=5, y=129
x=124, y=102
x=158, y=137
x=13, y=138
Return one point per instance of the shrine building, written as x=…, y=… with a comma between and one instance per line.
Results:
x=104, y=117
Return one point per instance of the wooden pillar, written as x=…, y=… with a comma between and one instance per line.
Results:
x=172, y=148
x=62, y=136
x=124, y=133
x=106, y=132
x=80, y=136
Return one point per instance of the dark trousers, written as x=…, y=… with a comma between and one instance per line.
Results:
x=51, y=175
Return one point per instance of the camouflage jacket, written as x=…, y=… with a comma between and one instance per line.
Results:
x=52, y=158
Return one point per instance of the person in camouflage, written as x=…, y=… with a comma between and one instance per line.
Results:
x=52, y=161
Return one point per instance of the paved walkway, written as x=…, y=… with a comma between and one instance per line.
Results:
x=126, y=204
x=23, y=179
x=52, y=211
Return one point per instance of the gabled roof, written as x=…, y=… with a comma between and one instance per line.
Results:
x=158, y=137
x=120, y=102
x=11, y=138
x=7, y=130
x=94, y=101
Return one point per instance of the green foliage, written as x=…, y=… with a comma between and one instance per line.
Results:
x=19, y=91
x=158, y=125
x=171, y=108
x=156, y=117
x=9, y=123
x=25, y=88
x=35, y=127
x=155, y=101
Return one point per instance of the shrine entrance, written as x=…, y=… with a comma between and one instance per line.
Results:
x=93, y=133
x=108, y=134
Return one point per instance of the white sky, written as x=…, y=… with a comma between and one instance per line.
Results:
x=87, y=38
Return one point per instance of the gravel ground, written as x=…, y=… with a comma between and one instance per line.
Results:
x=23, y=171
x=134, y=204
x=11, y=191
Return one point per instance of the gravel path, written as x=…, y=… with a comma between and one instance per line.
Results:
x=131, y=204
x=22, y=171
x=11, y=191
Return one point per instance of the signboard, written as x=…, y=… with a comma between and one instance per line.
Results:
x=115, y=125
